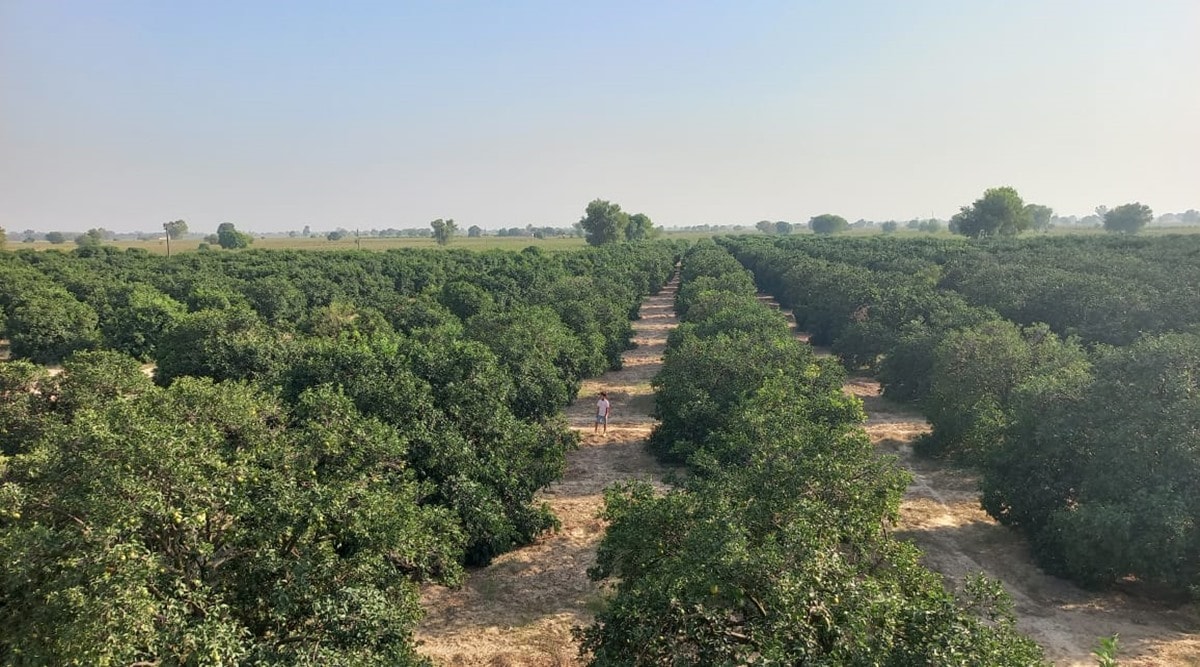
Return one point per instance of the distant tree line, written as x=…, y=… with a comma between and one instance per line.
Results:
x=999, y=212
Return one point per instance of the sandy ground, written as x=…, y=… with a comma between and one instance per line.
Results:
x=520, y=609
x=941, y=514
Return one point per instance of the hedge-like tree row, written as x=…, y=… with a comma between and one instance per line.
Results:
x=1102, y=289
x=773, y=549
x=1088, y=449
x=323, y=433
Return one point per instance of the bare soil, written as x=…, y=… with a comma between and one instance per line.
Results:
x=941, y=514
x=520, y=609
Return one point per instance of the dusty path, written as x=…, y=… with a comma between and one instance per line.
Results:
x=520, y=609
x=941, y=514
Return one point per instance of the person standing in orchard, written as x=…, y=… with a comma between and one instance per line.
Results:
x=603, y=407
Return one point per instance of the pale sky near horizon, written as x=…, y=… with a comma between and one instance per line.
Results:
x=275, y=115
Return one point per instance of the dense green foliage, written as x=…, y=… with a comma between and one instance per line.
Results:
x=1128, y=218
x=176, y=229
x=774, y=549
x=828, y=223
x=605, y=222
x=323, y=432
x=229, y=237
x=443, y=230
x=999, y=212
x=210, y=524
x=1064, y=368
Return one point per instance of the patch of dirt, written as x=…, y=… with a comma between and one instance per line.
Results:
x=941, y=514
x=520, y=609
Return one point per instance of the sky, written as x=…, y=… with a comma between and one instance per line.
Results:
x=276, y=115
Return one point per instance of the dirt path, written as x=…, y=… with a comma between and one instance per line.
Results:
x=520, y=609
x=941, y=514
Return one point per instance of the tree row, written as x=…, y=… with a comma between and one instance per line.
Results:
x=1083, y=426
x=322, y=434
x=772, y=547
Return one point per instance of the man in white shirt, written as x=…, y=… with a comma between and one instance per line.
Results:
x=602, y=409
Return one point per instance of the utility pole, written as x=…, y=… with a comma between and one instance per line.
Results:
x=168, y=231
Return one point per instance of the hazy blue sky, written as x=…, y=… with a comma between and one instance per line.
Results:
x=274, y=115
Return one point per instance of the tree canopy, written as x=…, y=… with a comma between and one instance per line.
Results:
x=1039, y=216
x=176, y=229
x=999, y=212
x=1128, y=218
x=443, y=230
x=773, y=549
x=1063, y=368
x=91, y=238
x=229, y=237
x=324, y=433
x=639, y=227
x=828, y=223
x=207, y=523
x=604, y=222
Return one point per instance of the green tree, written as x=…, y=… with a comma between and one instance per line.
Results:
x=25, y=407
x=604, y=222
x=56, y=238
x=889, y=227
x=932, y=226
x=278, y=300
x=975, y=372
x=443, y=230
x=639, y=227
x=176, y=229
x=229, y=237
x=765, y=226
x=828, y=223
x=1100, y=463
x=465, y=299
x=474, y=232
x=1039, y=216
x=449, y=397
x=231, y=344
x=50, y=324
x=91, y=238
x=1128, y=218
x=137, y=318
x=3, y=238
x=538, y=348
x=335, y=235
x=999, y=212
x=783, y=228
x=241, y=533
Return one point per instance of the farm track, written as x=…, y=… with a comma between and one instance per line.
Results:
x=520, y=609
x=942, y=515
